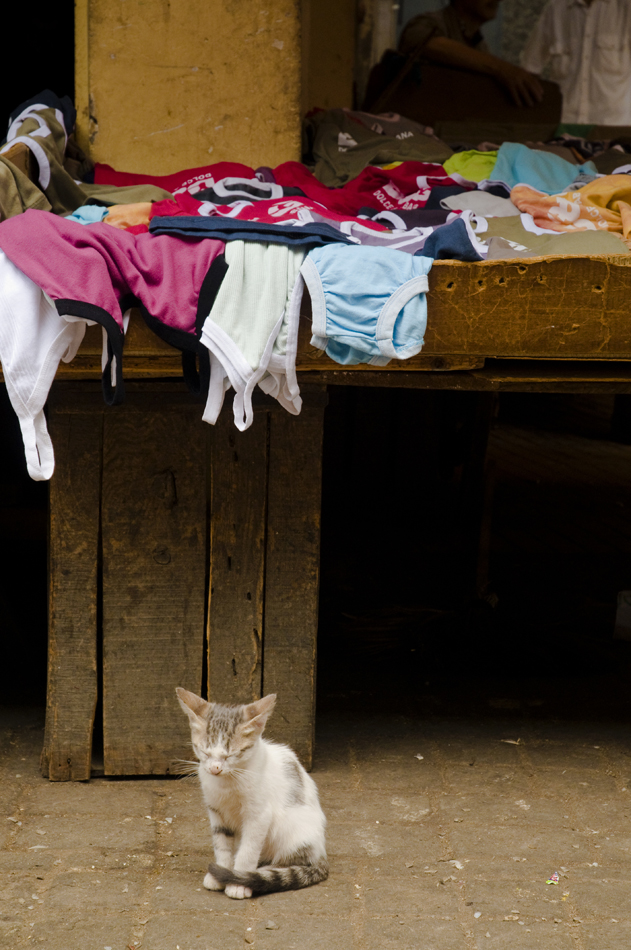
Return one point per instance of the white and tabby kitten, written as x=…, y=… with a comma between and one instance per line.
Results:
x=265, y=816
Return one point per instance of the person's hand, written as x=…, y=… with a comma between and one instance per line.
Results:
x=525, y=88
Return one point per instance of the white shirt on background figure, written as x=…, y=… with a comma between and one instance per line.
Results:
x=588, y=47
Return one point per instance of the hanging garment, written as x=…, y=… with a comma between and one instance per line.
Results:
x=252, y=329
x=98, y=272
x=368, y=303
x=34, y=337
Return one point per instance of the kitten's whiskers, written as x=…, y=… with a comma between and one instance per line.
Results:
x=184, y=767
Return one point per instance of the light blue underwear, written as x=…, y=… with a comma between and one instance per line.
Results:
x=368, y=303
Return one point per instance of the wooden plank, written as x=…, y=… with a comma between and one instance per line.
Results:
x=237, y=559
x=24, y=160
x=73, y=563
x=292, y=575
x=146, y=355
x=598, y=376
x=563, y=307
x=538, y=308
x=154, y=526
x=308, y=358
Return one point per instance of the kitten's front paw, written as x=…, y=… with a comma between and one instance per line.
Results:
x=237, y=891
x=212, y=884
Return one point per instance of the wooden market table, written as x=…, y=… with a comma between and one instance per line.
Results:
x=188, y=555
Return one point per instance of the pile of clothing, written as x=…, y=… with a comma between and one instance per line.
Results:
x=217, y=258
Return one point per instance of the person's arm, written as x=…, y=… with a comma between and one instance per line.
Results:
x=524, y=87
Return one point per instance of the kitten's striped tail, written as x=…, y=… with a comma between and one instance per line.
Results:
x=267, y=879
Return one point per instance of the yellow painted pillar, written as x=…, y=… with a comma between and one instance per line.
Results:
x=328, y=53
x=163, y=85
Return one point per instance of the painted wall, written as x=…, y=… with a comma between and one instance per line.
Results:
x=329, y=53
x=163, y=85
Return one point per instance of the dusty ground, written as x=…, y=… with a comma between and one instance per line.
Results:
x=448, y=851
x=520, y=715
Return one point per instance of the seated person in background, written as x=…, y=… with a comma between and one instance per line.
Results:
x=452, y=36
x=588, y=46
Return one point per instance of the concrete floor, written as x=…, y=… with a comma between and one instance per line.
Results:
x=442, y=834
x=462, y=756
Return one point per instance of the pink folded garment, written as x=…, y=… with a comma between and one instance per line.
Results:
x=96, y=273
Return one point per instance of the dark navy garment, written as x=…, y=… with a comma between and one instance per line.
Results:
x=451, y=242
x=499, y=189
x=313, y=233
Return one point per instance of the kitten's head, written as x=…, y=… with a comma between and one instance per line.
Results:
x=224, y=737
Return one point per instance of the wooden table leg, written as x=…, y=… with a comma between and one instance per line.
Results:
x=143, y=465
x=154, y=576
x=292, y=573
x=75, y=426
x=237, y=559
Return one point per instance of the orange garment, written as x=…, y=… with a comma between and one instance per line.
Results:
x=602, y=205
x=129, y=216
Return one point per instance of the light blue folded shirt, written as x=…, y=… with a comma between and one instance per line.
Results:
x=519, y=165
x=88, y=214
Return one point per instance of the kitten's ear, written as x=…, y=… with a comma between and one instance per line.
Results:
x=256, y=714
x=194, y=706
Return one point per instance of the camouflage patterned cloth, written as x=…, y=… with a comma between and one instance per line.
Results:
x=52, y=180
x=341, y=146
x=41, y=129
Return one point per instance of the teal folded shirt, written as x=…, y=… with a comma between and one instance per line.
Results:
x=517, y=164
x=88, y=214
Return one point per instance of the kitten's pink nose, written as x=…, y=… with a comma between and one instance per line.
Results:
x=216, y=768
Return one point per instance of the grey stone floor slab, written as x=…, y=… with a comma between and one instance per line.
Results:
x=448, y=852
